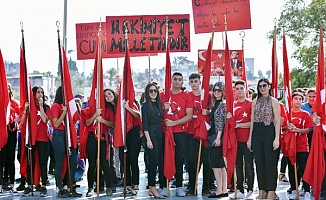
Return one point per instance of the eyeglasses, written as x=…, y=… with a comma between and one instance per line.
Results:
x=262, y=85
x=217, y=90
x=152, y=90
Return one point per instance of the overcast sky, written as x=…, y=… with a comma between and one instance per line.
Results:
x=39, y=18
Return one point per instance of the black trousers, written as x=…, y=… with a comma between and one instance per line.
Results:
x=180, y=140
x=155, y=158
x=243, y=152
x=43, y=153
x=91, y=149
x=284, y=163
x=302, y=158
x=9, y=151
x=323, y=186
x=192, y=156
x=133, y=143
x=265, y=157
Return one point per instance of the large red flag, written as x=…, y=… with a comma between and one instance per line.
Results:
x=126, y=93
x=315, y=168
x=201, y=122
x=289, y=139
x=169, y=145
x=274, y=68
x=29, y=128
x=4, y=104
x=72, y=112
x=230, y=144
x=97, y=85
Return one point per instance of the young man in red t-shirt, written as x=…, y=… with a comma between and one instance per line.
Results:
x=300, y=124
x=180, y=111
x=193, y=142
x=242, y=114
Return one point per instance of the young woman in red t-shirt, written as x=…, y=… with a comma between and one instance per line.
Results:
x=42, y=141
x=106, y=119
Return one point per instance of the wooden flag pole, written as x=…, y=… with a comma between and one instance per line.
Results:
x=98, y=99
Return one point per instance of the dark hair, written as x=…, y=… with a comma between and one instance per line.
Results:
x=115, y=99
x=11, y=94
x=142, y=99
x=221, y=86
x=297, y=94
x=240, y=82
x=311, y=90
x=148, y=99
x=194, y=76
x=58, y=95
x=177, y=74
x=268, y=83
x=34, y=89
x=299, y=90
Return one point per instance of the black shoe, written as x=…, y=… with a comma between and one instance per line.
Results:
x=21, y=187
x=120, y=182
x=231, y=190
x=147, y=187
x=75, y=194
x=190, y=192
x=289, y=191
x=205, y=192
x=38, y=188
x=27, y=191
x=225, y=194
x=43, y=192
x=114, y=189
x=62, y=193
x=47, y=182
x=51, y=172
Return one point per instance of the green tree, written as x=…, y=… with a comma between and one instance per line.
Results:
x=110, y=74
x=268, y=74
x=301, y=20
x=260, y=74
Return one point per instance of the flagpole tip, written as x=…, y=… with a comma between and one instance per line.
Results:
x=57, y=23
x=21, y=25
x=242, y=34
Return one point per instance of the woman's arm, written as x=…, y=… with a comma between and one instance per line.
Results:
x=58, y=121
x=277, y=124
x=251, y=123
x=90, y=120
x=134, y=113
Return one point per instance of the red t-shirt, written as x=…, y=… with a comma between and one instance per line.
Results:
x=178, y=105
x=302, y=120
x=242, y=114
x=42, y=128
x=56, y=111
x=14, y=110
x=109, y=116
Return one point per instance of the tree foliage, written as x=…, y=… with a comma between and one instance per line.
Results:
x=301, y=20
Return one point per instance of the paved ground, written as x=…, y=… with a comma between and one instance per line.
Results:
x=52, y=194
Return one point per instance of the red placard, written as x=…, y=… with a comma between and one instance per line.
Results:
x=217, y=63
x=86, y=42
x=237, y=15
x=146, y=33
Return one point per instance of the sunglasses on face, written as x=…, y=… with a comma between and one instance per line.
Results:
x=152, y=90
x=217, y=90
x=262, y=85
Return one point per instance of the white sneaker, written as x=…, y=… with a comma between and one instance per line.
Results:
x=180, y=192
x=293, y=195
x=307, y=195
x=240, y=195
x=249, y=194
x=301, y=193
x=163, y=192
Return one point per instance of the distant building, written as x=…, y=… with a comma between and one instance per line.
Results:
x=250, y=65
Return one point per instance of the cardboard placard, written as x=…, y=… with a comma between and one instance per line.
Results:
x=217, y=62
x=147, y=33
x=237, y=15
x=86, y=34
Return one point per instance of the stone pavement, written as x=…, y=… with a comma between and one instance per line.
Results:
x=52, y=194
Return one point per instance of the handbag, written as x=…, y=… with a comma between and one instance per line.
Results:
x=211, y=139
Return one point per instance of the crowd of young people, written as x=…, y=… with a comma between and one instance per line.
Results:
x=260, y=121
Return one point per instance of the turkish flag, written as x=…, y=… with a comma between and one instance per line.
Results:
x=274, y=69
x=230, y=144
x=126, y=93
x=315, y=167
x=169, y=145
x=4, y=104
x=244, y=73
x=72, y=112
x=201, y=122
